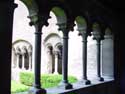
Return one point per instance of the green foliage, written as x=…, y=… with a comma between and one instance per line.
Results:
x=47, y=80
x=26, y=78
x=50, y=80
x=18, y=87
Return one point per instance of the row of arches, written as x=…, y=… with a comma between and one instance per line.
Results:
x=22, y=55
x=88, y=23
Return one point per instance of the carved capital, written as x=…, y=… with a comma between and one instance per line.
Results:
x=82, y=31
x=30, y=50
x=18, y=51
x=96, y=35
x=62, y=26
x=24, y=50
x=30, y=53
x=96, y=32
x=56, y=53
x=108, y=34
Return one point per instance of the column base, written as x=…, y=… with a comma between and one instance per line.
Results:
x=55, y=73
x=34, y=90
x=100, y=78
x=65, y=85
x=86, y=82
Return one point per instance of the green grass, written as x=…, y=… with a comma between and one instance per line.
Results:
x=47, y=81
x=53, y=80
x=18, y=87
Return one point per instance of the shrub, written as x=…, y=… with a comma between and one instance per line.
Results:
x=48, y=80
x=18, y=87
x=26, y=78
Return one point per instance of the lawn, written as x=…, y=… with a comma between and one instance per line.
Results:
x=47, y=81
x=18, y=87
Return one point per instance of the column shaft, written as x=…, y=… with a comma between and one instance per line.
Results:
x=65, y=83
x=23, y=61
x=84, y=57
x=56, y=63
x=99, y=60
x=37, y=59
x=18, y=59
x=36, y=89
x=65, y=58
x=30, y=62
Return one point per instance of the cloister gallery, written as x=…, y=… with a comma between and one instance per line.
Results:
x=82, y=38
x=23, y=44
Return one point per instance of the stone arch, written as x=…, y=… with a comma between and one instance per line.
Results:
x=81, y=24
x=95, y=26
x=108, y=33
x=21, y=40
x=81, y=21
x=51, y=35
x=53, y=39
x=96, y=30
x=60, y=14
x=84, y=22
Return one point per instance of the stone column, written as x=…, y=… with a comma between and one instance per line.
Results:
x=84, y=34
x=38, y=20
x=65, y=84
x=56, y=53
x=16, y=73
x=30, y=57
x=6, y=24
x=98, y=37
x=23, y=57
x=18, y=53
x=49, y=59
x=36, y=89
x=23, y=61
x=17, y=64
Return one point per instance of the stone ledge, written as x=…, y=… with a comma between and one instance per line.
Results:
x=77, y=86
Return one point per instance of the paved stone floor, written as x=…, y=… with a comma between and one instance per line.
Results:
x=78, y=85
